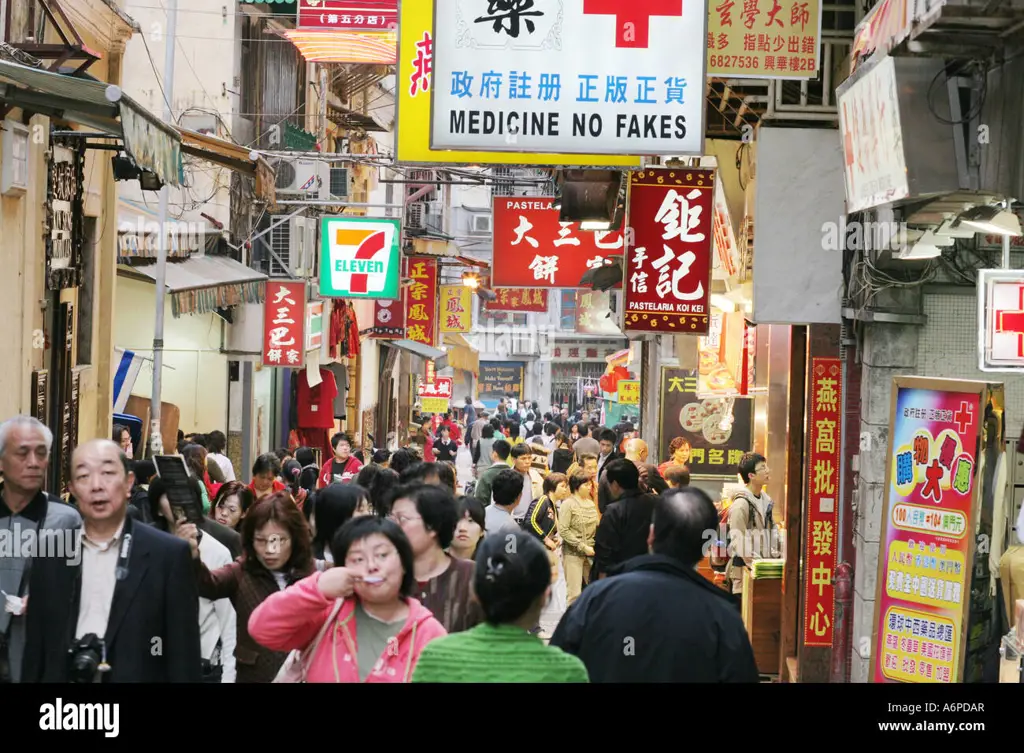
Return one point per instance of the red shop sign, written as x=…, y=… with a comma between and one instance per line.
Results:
x=668, y=265
x=348, y=15
x=519, y=299
x=532, y=249
x=388, y=320
x=421, y=300
x=284, y=316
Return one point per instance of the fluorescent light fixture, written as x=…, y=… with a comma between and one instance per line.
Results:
x=722, y=303
x=931, y=238
x=991, y=220
x=920, y=250
x=595, y=225
x=953, y=230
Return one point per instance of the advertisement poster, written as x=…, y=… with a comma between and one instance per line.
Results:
x=456, y=308
x=629, y=392
x=719, y=430
x=668, y=266
x=927, y=545
x=533, y=249
x=348, y=15
x=497, y=378
x=359, y=257
x=770, y=39
x=421, y=300
x=388, y=320
x=284, y=317
x=824, y=442
x=434, y=396
x=519, y=300
x=601, y=76
x=415, y=78
x=722, y=356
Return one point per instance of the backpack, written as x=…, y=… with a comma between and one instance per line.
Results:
x=719, y=557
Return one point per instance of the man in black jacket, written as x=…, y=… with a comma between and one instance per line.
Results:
x=626, y=522
x=126, y=609
x=656, y=619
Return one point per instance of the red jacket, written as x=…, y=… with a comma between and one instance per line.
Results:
x=352, y=467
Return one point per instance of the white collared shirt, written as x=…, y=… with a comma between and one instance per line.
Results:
x=217, y=620
x=99, y=576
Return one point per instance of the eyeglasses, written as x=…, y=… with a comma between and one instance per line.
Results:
x=403, y=519
x=260, y=541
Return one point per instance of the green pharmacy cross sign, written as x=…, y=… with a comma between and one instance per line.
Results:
x=360, y=258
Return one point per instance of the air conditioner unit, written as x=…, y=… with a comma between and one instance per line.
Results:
x=303, y=178
x=294, y=245
x=480, y=224
x=416, y=216
x=338, y=182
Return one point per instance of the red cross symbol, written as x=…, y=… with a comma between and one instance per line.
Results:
x=933, y=474
x=1012, y=322
x=637, y=13
x=964, y=417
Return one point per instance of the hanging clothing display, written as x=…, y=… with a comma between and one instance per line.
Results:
x=315, y=405
x=340, y=372
x=344, y=335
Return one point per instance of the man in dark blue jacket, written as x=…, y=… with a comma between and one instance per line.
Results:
x=655, y=619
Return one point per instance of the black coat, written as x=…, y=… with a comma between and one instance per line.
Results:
x=655, y=620
x=153, y=631
x=623, y=531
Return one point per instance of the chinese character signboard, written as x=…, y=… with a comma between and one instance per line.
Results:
x=668, y=266
x=719, y=430
x=284, y=316
x=927, y=542
x=421, y=300
x=629, y=392
x=824, y=432
x=520, y=300
x=498, y=378
x=766, y=39
x=602, y=76
x=359, y=257
x=348, y=15
x=415, y=78
x=1000, y=320
x=456, y=308
x=434, y=397
x=388, y=320
x=314, y=325
x=64, y=233
x=594, y=314
x=429, y=371
x=532, y=249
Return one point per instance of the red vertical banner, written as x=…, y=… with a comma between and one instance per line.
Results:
x=284, y=320
x=824, y=431
x=747, y=374
x=388, y=319
x=667, y=280
x=430, y=372
x=421, y=300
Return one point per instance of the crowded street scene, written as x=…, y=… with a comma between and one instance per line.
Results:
x=513, y=341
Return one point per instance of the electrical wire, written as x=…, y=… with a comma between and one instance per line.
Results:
x=982, y=96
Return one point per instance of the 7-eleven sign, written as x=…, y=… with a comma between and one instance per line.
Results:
x=359, y=257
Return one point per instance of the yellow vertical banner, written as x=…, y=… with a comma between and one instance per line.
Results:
x=456, y=312
x=764, y=38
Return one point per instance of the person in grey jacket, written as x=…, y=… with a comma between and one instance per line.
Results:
x=34, y=524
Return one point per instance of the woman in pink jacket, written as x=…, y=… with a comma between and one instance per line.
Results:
x=379, y=630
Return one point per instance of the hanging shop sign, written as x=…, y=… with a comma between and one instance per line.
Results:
x=314, y=325
x=434, y=396
x=429, y=371
x=668, y=265
x=727, y=253
x=532, y=249
x=421, y=300
x=629, y=392
x=719, y=430
x=770, y=39
x=414, y=107
x=595, y=314
x=359, y=257
x=456, y=309
x=348, y=15
x=283, y=323
x=930, y=514
x=388, y=320
x=875, y=166
x=824, y=433
x=63, y=219
x=575, y=77
x=749, y=373
x=40, y=402
x=519, y=300
x=1000, y=320
x=884, y=28
x=498, y=378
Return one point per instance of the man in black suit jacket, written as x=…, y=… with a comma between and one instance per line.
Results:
x=129, y=583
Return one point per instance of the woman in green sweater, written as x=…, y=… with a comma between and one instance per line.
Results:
x=512, y=583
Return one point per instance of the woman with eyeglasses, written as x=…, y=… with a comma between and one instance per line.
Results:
x=276, y=554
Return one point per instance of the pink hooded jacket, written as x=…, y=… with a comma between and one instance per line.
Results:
x=291, y=619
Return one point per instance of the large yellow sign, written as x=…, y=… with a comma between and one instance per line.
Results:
x=415, y=60
x=456, y=314
x=764, y=38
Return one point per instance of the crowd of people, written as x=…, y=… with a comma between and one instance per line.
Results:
x=372, y=566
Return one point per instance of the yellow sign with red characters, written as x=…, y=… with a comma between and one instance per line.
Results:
x=764, y=38
x=456, y=312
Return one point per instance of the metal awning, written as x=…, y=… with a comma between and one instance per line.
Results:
x=232, y=156
x=201, y=284
x=439, y=357
x=152, y=144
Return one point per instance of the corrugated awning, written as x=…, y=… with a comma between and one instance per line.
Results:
x=201, y=284
x=439, y=357
x=462, y=355
x=152, y=144
x=234, y=157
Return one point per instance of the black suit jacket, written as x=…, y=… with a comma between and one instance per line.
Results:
x=153, y=631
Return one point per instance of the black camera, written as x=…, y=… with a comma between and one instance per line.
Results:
x=85, y=657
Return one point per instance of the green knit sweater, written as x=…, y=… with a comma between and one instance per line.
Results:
x=488, y=653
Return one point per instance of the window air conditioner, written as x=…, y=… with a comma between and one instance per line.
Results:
x=294, y=245
x=480, y=224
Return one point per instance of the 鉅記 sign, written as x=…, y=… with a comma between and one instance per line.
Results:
x=570, y=76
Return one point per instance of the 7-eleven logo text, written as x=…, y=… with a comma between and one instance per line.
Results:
x=352, y=254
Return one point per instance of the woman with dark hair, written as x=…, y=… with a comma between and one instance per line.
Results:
x=469, y=530
x=366, y=476
x=232, y=502
x=265, y=472
x=333, y=507
x=290, y=473
x=195, y=459
x=512, y=584
x=276, y=554
x=374, y=629
x=402, y=459
x=382, y=490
